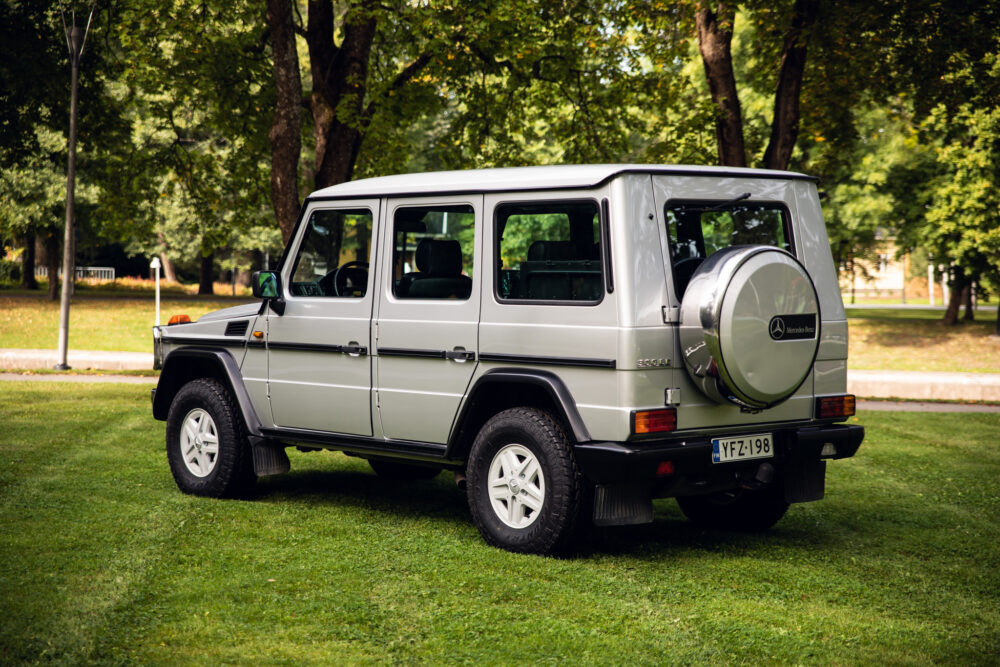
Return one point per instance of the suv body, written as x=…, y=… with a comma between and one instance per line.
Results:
x=571, y=341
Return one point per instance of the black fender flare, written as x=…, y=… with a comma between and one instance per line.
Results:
x=178, y=370
x=549, y=382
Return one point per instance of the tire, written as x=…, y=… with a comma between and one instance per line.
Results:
x=207, y=445
x=737, y=510
x=403, y=472
x=524, y=487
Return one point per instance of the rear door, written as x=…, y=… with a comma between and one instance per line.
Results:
x=319, y=364
x=428, y=314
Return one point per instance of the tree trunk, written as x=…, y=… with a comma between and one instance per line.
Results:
x=286, y=127
x=967, y=302
x=997, y=332
x=169, y=270
x=785, y=125
x=715, y=35
x=28, y=262
x=340, y=78
x=956, y=285
x=206, y=278
x=52, y=262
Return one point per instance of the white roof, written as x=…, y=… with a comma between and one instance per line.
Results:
x=525, y=178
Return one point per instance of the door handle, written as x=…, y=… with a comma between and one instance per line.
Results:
x=460, y=355
x=354, y=349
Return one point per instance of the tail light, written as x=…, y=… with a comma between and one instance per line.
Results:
x=835, y=407
x=654, y=421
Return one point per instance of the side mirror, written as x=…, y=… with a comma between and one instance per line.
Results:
x=266, y=284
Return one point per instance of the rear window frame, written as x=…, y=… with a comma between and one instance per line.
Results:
x=770, y=204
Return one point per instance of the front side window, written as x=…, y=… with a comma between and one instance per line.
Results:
x=433, y=252
x=697, y=230
x=549, y=251
x=332, y=260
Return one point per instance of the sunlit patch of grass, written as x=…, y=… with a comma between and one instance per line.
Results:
x=913, y=341
x=116, y=324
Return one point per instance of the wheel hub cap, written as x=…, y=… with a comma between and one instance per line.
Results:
x=199, y=443
x=516, y=486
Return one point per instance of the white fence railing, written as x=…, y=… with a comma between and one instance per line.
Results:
x=82, y=272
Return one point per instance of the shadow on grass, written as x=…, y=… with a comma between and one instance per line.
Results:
x=440, y=501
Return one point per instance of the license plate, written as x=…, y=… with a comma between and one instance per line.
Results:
x=743, y=448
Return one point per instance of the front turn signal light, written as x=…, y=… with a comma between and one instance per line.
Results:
x=654, y=421
x=179, y=319
x=835, y=407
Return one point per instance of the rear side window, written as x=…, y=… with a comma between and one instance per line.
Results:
x=549, y=251
x=697, y=230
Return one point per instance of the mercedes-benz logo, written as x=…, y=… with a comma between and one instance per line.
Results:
x=777, y=328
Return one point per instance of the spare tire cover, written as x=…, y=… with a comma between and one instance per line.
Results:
x=749, y=326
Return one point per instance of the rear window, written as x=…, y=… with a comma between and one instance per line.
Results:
x=698, y=229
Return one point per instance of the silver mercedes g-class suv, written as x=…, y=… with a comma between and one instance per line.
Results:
x=571, y=342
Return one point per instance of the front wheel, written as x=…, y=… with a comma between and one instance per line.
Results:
x=523, y=483
x=738, y=509
x=207, y=445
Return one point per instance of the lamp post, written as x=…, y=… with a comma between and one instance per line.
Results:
x=155, y=265
x=75, y=39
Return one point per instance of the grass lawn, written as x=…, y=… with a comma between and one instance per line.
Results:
x=118, y=324
x=103, y=560
x=915, y=340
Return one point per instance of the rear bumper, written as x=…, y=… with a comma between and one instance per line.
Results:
x=636, y=463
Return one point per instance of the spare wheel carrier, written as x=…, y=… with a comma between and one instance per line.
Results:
x=750, y=326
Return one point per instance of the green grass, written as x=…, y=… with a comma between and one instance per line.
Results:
x=121, y=324
x=915, y=340
x=102, y=560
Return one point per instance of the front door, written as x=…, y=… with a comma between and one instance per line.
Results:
x=319, y=364
x=428, y=314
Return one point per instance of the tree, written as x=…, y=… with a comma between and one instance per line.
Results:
x=194, y=78
x=715, y=33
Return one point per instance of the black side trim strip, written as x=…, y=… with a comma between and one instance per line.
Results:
x=204, y=342
x=404, y=352
x=547, y=361
x=361, y=444
x=315, y=347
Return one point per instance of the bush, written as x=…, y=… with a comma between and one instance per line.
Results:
x=10, y=271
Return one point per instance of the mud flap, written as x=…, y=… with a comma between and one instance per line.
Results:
x=805, y=480
x=621, y=505
x=269, y=459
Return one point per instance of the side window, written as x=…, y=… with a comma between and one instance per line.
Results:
x=549, y=251
x=432, y=252
x=333, y=257
x=697, y=230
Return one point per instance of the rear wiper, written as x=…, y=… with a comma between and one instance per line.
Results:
x=727, y=204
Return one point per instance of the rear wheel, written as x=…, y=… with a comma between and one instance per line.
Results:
x=738, y=509
x=403, y=471
x=207, y=445
x=523, y=483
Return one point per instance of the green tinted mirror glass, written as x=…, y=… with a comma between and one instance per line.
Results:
x=265, y=285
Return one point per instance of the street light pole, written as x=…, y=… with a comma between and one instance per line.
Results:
x=75, y=38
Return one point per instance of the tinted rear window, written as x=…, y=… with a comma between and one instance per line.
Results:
x=697, y=230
